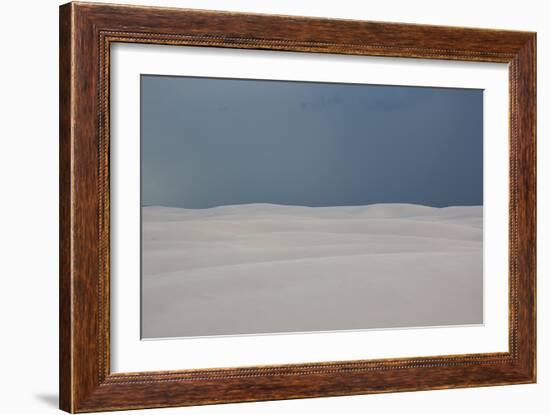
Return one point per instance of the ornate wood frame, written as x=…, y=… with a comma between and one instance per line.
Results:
x=86, y=33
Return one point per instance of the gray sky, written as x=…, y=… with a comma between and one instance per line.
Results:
x=207, y=142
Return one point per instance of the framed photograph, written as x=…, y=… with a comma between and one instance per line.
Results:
x=258, y=207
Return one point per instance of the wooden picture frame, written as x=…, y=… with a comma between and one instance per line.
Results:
x=86, y=33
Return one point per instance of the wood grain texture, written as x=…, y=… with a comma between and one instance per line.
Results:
x=86, y=33
x=65, y=246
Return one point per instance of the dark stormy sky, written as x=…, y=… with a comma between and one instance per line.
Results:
x=207, y=142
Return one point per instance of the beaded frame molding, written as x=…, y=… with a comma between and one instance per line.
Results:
x=86, y=32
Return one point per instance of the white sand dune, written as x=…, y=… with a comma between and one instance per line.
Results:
x=262, y=268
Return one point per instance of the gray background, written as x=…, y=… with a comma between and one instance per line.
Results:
x=207, y=142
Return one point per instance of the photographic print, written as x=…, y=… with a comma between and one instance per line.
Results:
x=288, y=206
x=260, y=207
